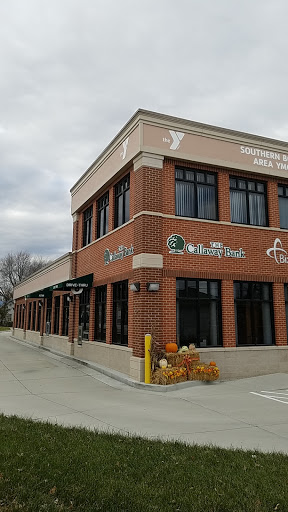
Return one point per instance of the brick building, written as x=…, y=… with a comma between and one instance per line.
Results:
x=181, y=229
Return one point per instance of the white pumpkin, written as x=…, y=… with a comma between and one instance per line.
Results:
x=184, y=349
x=163, y=363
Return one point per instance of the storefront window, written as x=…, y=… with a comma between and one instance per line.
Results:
x=120, y=313
x=38, y=319
x=248, y=202
x=56, y=314
x=283, y=206
x=103, y=215
x=29, y=316
x=48, y=315
x=195, y=194
x=198, y=312
x=100, y=313
x=253, y=313
x=84, y=313
x=65, y=321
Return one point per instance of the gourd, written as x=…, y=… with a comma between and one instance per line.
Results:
x=212, y=363
x=163, y=363
x=184, y=349
x=171, y=347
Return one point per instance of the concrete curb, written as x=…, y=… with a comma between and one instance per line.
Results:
x=113, y=374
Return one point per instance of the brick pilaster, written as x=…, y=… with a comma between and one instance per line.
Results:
x=228, y=315
x=279, y=314
x=92, y=315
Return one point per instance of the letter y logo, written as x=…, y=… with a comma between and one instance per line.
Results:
x=125, y=144
x=177, y=137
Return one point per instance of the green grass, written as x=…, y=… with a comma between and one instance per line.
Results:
x=48, y=468
x=4, y=329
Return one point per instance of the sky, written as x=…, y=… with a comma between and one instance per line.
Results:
x=72, y=73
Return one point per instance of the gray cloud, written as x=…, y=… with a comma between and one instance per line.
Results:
x=73, y=73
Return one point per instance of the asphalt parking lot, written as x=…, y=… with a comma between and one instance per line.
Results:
x=249, y=413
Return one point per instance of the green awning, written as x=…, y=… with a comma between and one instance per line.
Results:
x=40, y=294
x=77, y=282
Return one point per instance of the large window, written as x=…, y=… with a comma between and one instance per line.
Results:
x=196, y=194
x=198, y=312
x=122, y=201
x=103, y=215
x=65, y=321
x=283, y=206
x=29, y=316
x=84, y=313
x=100, y=313
x=248, y=203
x=48, y=315
x=56, y=314
x=87, y=226
x=120, y=313
x=253, y=313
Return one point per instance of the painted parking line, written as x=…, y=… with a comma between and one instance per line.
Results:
x=277, y=396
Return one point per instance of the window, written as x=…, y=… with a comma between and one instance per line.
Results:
x=100, y=313
x=29, y=316
x=38, y=318
x=198, y=312
x=65, y=321
x=103, y=215
x=56, y=314
x=248, y=202
x=253, y=313
x=195, y=194
x=84, y=313
x=87, y=226
x=122, y=202
x=48, y=314
x=283, y=205
x=120, y=313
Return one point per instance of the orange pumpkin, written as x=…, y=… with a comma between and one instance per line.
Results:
x=212, y=363
x=171, y=347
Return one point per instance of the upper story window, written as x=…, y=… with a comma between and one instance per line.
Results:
x=248, y=202
x=196, y=194
x=122, y=201
x=103, y=215
x=283, y=205
x=87, y=226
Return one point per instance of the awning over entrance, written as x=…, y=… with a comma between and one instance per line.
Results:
x=78, y=282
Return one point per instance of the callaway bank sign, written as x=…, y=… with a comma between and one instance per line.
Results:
x=177, y=245
x=277, y=252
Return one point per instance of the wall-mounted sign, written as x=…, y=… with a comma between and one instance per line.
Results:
x=277, y=252
x=122, y=252
x=177, y=245
x=265, y=158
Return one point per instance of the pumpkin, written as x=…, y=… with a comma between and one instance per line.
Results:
x=212, y=363
x=171, y=347
x=184, y=349
x=163, y=363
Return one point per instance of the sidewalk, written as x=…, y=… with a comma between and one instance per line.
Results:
x=46, y=386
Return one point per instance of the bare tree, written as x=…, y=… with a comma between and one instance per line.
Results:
x=14, y=268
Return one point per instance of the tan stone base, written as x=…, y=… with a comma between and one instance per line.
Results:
x=112, y=356
x=241, y=362
x=33, y=337
x=58, y=343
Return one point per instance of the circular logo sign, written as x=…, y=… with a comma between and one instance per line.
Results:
x=106, y=256
x=176, y=244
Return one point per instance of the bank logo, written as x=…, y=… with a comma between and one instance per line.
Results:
x=277, y=252
x=124, y=145
x=106, y=256
x=176, y=244
x=177, y=137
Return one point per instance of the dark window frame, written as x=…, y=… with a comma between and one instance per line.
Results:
x=283, y=195
x=84, y=312
x=252, y=299
x=196, y=302
x=100, y=313
x=197, y=184
x=87, y=225
x=29, y=315
x=122, y=190
x=56, y=314
x=65, y=315
x=247, y=193
x=103, y=212
x=120, y=303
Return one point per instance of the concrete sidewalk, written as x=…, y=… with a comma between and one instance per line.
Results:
x=249, y=413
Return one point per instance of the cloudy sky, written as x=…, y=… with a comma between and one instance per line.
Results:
x=73, y=72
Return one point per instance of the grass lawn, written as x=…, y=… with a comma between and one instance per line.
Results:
x=4, y=328
x=48, y=468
